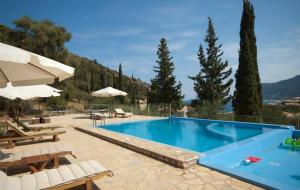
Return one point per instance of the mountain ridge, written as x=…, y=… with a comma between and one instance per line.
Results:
x=284, y=89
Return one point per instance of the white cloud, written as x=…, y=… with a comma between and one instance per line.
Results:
x=174, y=46
x=171, y=17
x=231, y=50
x=279, y=61
x=177, y=45
x=94, y=33
x=127, y=32
x=276, y=61
x=142, y=48
x=85, y=36
x=192, y=57
x=187, y=33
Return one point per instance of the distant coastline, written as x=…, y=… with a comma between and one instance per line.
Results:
x=228, y=106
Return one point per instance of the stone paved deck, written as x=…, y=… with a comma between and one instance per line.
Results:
x=174, y=156
x=134, y=171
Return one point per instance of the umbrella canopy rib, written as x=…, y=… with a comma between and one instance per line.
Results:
x=23, y=68
x=28, y=92
x=3, y=79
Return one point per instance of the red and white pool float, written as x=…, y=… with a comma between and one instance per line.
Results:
x=252, y=159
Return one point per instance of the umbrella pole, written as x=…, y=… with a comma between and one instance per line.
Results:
x=39, y=104
x=109, y=102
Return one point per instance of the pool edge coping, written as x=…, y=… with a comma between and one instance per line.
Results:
x=188, y=160
x=241, y=122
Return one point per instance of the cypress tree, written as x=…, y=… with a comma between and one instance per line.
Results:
x=114, y=81
x=133, y=97
x=212, y=83
x=92, y=87
x=120, y=78
x=247, y=96
x=120, y=83
x=104, y=80
x=164, y=88
x=133, y=91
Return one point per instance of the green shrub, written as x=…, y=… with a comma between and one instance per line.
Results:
x=272, y=111
x=56, y=103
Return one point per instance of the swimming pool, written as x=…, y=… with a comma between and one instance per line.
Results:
x=226, y=144
x=193, y=134
x=278, y=168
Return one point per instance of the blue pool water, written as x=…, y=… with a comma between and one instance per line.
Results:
x=278, y=168
x=193, y=134
x=226, y=144
x=281, y=165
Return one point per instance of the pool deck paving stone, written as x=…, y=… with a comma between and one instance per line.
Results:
x=168, y=154
x=133, y=171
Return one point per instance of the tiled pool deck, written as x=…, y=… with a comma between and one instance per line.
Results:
x=170, y=155
x=134, y=171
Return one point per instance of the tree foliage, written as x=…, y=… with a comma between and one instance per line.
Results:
x=247, y=96
x=212, y=83
x=47, y=39
x=57, y=103
x=120, y=83
x=164, y=88
x=43, y=38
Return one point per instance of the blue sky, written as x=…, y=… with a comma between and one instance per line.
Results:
x=128, y=32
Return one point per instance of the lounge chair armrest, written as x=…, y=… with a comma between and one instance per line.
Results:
x=111, y=174
x=15, y=138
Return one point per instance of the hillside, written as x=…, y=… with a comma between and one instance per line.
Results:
x=47, y=39
x=284, y=89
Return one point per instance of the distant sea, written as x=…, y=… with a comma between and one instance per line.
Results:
x=228, y=106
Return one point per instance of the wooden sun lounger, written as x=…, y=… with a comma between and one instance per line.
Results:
x=16, y=133
x=64, y=177
x=35, y=158
x=119, y=111
x=36, y=128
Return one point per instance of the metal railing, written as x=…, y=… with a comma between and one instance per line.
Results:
x=252, y=119
x=162, y=110
x=166, y=110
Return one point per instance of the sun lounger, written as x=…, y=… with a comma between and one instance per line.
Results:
x=35, y=158
x=35, y=127
x=120, y=112
x=64, y=177
x=16, y=133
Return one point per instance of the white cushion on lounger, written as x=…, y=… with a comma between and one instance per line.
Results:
x=44, y=150
x=120, y=111
x=28, y=182
x=96, y=166
x=66, y=174
x=52, y=149
x=54, y=177
x=13, y=183
x=42, y=180
x=3, y=177
x=88, y=169
x=10, y=156
x=76, y=171
x=50, y=178
x=64, y=147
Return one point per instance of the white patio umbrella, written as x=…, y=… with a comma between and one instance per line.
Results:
x=23, y=68
x=28, y=92
x=108, y=92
